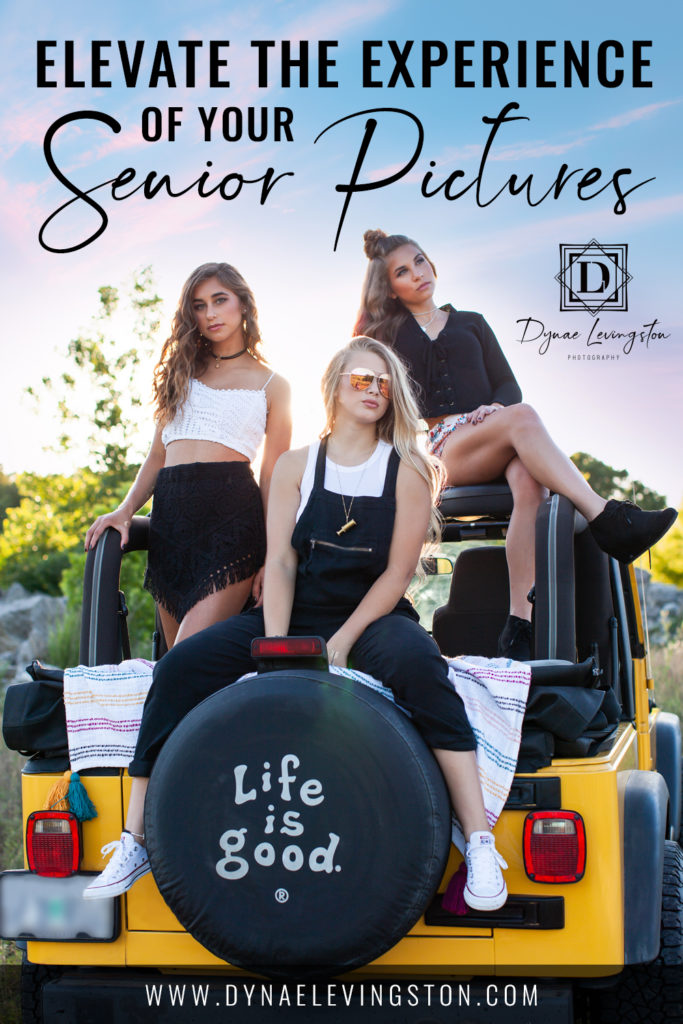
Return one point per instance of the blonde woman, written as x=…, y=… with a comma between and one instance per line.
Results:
x=215, y=400
x=348, y=517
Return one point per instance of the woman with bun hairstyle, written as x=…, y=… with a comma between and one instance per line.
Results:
x=215, y=400
x=478, y=425
x=347, y=520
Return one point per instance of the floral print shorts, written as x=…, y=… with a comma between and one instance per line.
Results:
x=441, y=431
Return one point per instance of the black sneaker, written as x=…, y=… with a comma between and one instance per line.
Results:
x=625, y=531
x=515, y=640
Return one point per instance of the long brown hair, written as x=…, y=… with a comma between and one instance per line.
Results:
x=400, y=423
x=185, y=353
x=380, y=315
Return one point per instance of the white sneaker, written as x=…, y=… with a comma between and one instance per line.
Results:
x=130, y=862
x=485, y=888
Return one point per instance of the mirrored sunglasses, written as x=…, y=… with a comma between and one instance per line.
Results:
x=361, y=379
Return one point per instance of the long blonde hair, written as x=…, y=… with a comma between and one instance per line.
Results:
x=400, y=423
x=185, y=353
x=380, y=315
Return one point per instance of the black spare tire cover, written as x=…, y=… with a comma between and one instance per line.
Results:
x=297, y=823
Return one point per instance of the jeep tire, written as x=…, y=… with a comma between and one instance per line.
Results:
x=297, y=823
x=652, y=993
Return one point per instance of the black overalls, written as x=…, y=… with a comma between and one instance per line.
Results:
x=334, y=573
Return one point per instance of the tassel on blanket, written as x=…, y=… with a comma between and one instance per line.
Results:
x=453, y=900
x=79, y=801
x=56, y=799
x=69, y=794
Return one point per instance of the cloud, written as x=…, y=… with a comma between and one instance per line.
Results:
x=637, y=114
x=26, y=124
x=535, y=149
x=454, y=158
x=505, y=243
x=532, y=149
x=332, y=20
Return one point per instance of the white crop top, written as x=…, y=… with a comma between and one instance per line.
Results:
x=367, y=479
x=235, y=417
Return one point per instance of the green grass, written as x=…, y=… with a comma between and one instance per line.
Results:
x=11, y=856
x=667, y=672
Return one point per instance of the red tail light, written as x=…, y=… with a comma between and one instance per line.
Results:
x=288, y=647
x=53, y=843
x=554, y=846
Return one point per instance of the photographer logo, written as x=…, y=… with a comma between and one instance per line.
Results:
x=593, y=277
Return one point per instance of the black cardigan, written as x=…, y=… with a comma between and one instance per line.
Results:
x=461, y=369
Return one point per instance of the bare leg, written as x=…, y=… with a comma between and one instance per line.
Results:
x=459, y=768
x=527, y=495
x=135, y=816
x=479, y=452
x=215, y=608
x=169, y=625
x=485, y=887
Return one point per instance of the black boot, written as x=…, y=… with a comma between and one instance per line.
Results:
x=515, y=640
x=625, y=531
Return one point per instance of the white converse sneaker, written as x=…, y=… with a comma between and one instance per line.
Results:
x=485, y=888
x=130, y=862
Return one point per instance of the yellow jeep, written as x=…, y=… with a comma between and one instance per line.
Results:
x=299, y=829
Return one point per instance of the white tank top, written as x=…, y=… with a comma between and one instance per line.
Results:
x=235, y=417
x=366, y=479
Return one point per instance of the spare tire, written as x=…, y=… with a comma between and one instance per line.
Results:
x=297, y=824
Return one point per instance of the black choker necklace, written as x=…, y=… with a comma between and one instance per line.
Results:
x=233, y=356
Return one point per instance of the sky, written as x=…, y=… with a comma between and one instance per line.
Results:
x=500, y=258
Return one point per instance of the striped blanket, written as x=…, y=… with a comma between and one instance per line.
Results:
x=104, y=707
x=103, y=710
x=494, y=692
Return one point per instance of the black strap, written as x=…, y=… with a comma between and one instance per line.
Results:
x=392, y=472
x=319, y=478
x=123, y=627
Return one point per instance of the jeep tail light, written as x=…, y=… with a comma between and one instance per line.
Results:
x=554, y=846
x=53, y=843
x=288, y=647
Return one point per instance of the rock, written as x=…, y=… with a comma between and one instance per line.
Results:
x=663, y=605
x=26, y=621
x=15, y=592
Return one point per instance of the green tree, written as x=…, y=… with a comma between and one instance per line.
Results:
x=98, y=395
x=49, y=522
x=9, y=494
x=616, y=483
x=97, y=404
x=667, y=555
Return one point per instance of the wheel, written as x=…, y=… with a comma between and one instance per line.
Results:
x=652, y=993
x=33, y=977
x=297, y=824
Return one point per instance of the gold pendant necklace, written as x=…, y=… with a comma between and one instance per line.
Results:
x=349, y=523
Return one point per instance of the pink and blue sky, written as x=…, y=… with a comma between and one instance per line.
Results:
x=500, y=259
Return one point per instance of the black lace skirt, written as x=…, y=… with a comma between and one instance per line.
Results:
x=206, y=531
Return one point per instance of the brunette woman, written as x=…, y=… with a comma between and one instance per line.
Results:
x=347, y=520
x=477, y=423
x=215, y=399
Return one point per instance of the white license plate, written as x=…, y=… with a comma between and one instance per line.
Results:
x=53, y=909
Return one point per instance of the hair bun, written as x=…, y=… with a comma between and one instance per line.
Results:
x=373, y=243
